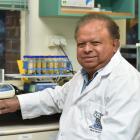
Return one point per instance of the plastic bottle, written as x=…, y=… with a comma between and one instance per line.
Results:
x=61, y=64
x=44, y=65
x=38, y=64
x=50, y=64
x=65, y=61
x=25, y=63
x=31, y=65
x=56, y=66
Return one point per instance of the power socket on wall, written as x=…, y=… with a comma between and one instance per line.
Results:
x=56, y=40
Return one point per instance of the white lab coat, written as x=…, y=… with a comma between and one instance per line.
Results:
x=108, y=109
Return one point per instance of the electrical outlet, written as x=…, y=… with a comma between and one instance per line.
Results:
x=55, y=41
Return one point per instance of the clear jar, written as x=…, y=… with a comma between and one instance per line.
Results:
x=32, y=65
x=44, y=65
x=38, y=64
x=29, y=64
x=64, y=62
x=56, y=65
x=25, y=63
x=68, y=66
x=48, y=61
x=60, y=64
x=50, y=64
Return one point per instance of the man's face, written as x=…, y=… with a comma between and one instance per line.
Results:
x=95, y=46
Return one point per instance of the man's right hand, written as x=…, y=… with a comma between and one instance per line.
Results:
x=9, y=105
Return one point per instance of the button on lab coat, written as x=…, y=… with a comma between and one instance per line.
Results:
x=107, y=109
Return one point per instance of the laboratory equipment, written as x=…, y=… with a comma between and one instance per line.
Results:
x=6, y=91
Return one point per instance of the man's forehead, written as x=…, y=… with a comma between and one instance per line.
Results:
x=94, y=26
x=99, y=24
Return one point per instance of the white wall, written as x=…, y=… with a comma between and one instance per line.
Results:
x=37, y=31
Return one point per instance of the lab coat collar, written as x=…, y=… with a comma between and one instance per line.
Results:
x=115, y=60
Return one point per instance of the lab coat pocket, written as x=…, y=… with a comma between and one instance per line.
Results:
x=94, y=113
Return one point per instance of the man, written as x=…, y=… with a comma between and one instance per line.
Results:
x=102, y=100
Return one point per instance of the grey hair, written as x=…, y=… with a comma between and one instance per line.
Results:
x=111, y=25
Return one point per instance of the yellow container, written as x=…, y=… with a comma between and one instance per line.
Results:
x=21, y=69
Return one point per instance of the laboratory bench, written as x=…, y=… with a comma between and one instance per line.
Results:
x=12, y=126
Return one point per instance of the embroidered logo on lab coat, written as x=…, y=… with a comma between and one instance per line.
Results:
x=96, y=126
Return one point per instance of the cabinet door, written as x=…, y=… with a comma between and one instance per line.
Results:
x=121, y=9
x=48, y=135
x=139, y=20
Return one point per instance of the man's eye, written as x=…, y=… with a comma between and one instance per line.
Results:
x=91, y=43
x=80, y=45
x=95, y=43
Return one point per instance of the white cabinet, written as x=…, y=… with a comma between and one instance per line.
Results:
x=46, y=135
x=13, y=127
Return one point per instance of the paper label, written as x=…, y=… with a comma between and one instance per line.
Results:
x=25, y=137
x=78, y=3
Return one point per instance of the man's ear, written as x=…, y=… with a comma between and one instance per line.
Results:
x=116, y=44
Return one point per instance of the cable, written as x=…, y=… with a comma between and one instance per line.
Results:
x=61, y=47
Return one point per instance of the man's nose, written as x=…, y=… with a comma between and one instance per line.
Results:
x=88, y=47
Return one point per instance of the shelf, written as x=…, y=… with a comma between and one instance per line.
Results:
x=118, y=9
x=17, y=76
x=77, y=11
